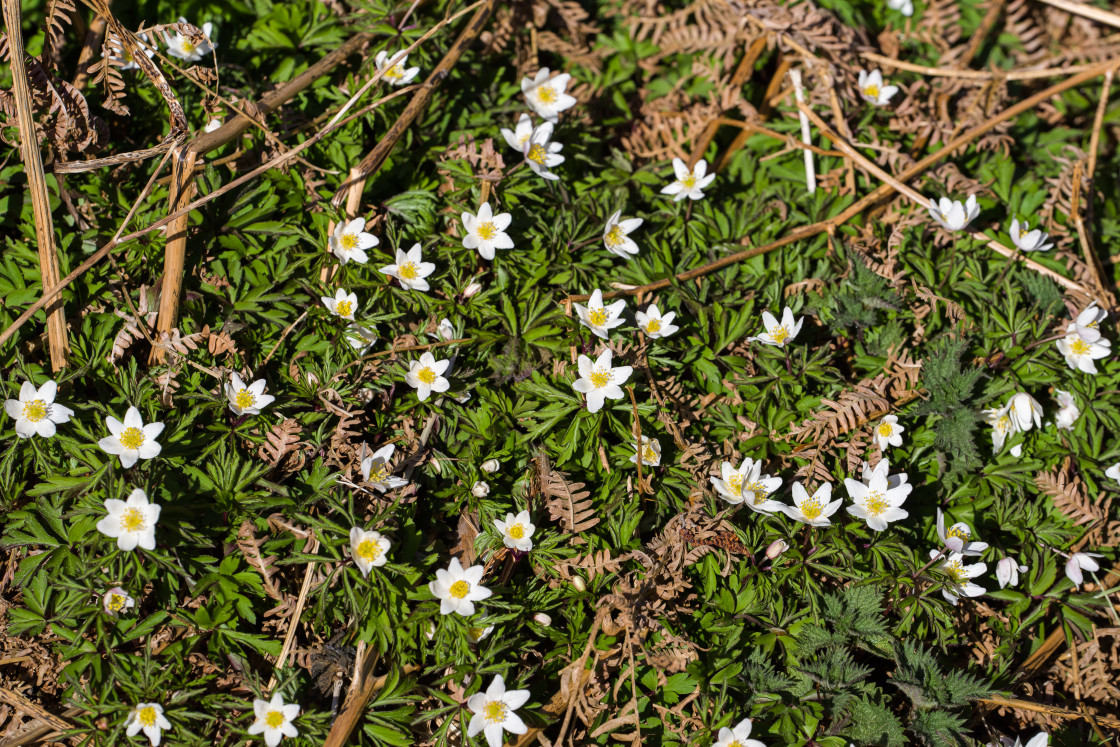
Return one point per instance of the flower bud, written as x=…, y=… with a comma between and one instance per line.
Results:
x=542, y=619
x=437, y=466
x=446, y=331
x=480, y=489
x=1007, y=572
x=472, y=289
x=578, y=582
x=776, y=548
x=1025, y=411
x=491, y=465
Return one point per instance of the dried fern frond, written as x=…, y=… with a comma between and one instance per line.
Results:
x=569, y=503
x=250, y=546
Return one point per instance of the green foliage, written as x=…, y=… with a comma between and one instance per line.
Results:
x=953, y=406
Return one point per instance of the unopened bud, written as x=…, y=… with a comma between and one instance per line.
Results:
x=542, y=619
x=472, y=289
x=776, y=548
x=491, y=465
x=480, y=489
x=446, y=331
x=437, y=466
x=578, y=582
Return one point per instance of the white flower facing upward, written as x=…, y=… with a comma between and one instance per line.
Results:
x=905, y=7
x=131, y=440
x=654, y=324
x=368, y=548
x=600, y=381
x=779, y=334
x=375, y=469
x=546, y=95
x=598, y=317
x=542, y=153
x=1007, y=572
x=394, y=69
x=274, y=718
x=872, y=89
x=888, y=433
x=116, y=601
x=131, y=522
x=650, y=452
x=1079, y=353
x=958, y=538
x=737, y=736
x=247, y=400
x=411, y=269
x=1003, y=425
x=876, y=503
x=1113, y=472
x=36, y=412
x=486, y=231
x=1078, y=562
x=457, y=589
x=149, y=718
x=426, y=375
x=747, y=484
x=1068, y=411
x=494, y=712
x=349, y=242
x=182, y=47
x=1025, y=410
x=1088, y=323
x=518, y=137
x=360, y=337
x=960, y=576
x=517, y=531
x=814, y=510
x=616, y=235
x=342, y=305
x=689, y=183
x=1026, y=239
x=953, y=215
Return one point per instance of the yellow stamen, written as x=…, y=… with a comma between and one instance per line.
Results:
x=396, y=72
x=427, y=375
x=759, y=492
x=408, y=271
x=649, y=456
x=537, y=153
x=688, y=182
x=35, y=410
x=653, y=326
x=811, y=509
x=494, y=711
x=132, y=438
x=885, y=430
x=876, y=503
x=146, y=716
x=116, y=604
x=614, y=237
x=344, y=308
x=132, y=520
x=515, y=531
x=955, y=571
x=244, y=399
x=380, y=474
x=872, y=91
x=734, y=484
x=959, y=531
x=369, y=550
x=348, y=241
x=779, y=334
x=274, y=719
x=1080, y=347
x=546, y=94
x=599, y=378
x=459, y=589
x=597, y=317
x=486, y=231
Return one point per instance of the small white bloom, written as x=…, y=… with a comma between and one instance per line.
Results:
x=426, y=375
x=689, y=182
x=748, y=484
x=546, y=96
x=1113, y=472
x=486, y=231
x=958, y=538
x=480, y=489
x=121, y=57
x=476, y=634
x=599, y=318
x=813, y=511
x=960, y=576
x=542, y=618
x=494, y=712
x=876, y=503
x=1088, y=323
x=212, y=125
x=131, y=522
x=951, y=214
x=131, y=440
x=36, y=411
x=1078, y=562
x=1025, y=410
x=182, y=47
x=1068, y=411
x=905, y=7
x=247, y=400
x=616, y=235
x=410, y=269
x=1007, y=572
x=349, y=242
x=457, y=589
x=517, y=531
x=394, y=68
x=1079, y=353
x=650, y=452
x=541, y=153
x=117, y=600
x=490, y=465
x=872, y=89
x=445, y=330
x=1026, y=239
x=654, y=325
x=360, y=337
x=1003, y=425
x=274, y=718
x=375, y=469
x=599, y=380
x=779, y=334
x=368, y=549
x=884, y=467
x=889, y=432
x=518, y=138
x=149, y=718
x=738, y=736
x=342, y=305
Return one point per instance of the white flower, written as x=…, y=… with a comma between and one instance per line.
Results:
x=689, y=182
x=182, y=47
x=274, y=718
x=342, y=305
x=776, y=548
x=884, y=466
x=1002, y=425
x=476, y=634
x=120, y=56
x=349, y=242
x=1026, y=239
x=490, y=465
x=1079, y=353
x=960, y=576
x=541, y=153
x=1088, y=323
x=472, y=289
x=813, y=511
x=876, y=503
x=445, y=330
x=1078, y=562
x=1068, y=411
x=599, y=380
x=393, y=65
x=598, y=318
x=480, y=489
x=1007, y=572
x=518, y=138
x=457, y=589
x=375, y=469
x=247, y=400
x=905, y=7
x=737, y=736
x=650, y=452
x=410, y=269
x=131, y=440
x=872, y=89
x=889, y=432
x=748, y=484
x=117, y=600
x=654, y=325
x=1038, y=740
x=368, y=549
x=951, y=214
x=486, y=231
x=517, y=531
x=1025, y=410
x=779, y=334
x=149, y=718
x=546, y=96
x=616, y=235
x=360, y=337
x=958, y=538
x=426, y=375
x=131, y=522
x=1113, y=472
x=542, y=618
x=494, y=712
x=213, y=124
x=36, y=411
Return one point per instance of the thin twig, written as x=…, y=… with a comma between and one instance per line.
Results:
x=1064, y=713
x=949, y=72
x=1092, y=12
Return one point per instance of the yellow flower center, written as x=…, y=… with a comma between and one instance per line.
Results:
x=955, y=571
x=132, y=438
x=959, y=531
x=459, y=589
x=689, y=181
x=132, y=520
x=244, y=399
x=872, y=91
x=885, y=430
x=396, y=72
x=486, y=231
x=546, y=94
x=408, y=271
x=734, y=484
x=35, y=410
x=876, y=503
x=779, y=334
x=344, y=308
x=427, y=375
x=494, y=711
x=349, y=241
x=126, y=55
x=1003, y=424
x=653, y=326
x=759, y=491
x=1080, y=347
x=516, y=531
x=614, y=237
x=380, y=474
x=188, y=46
x=146, y=715
x=599, y=378
x=736, y=743
x=811, y=509
x=475, y=633
x=274, y=719
x=597, y=317
x=369, y=550
x=116, y=604
x=649, y=455
x=537, y=153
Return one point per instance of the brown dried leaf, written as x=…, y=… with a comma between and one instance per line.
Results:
x=250, y=547
x=569, y=504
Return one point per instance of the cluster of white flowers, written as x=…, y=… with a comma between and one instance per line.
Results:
x=1083, y=343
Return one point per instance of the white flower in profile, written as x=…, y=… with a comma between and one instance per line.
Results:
x=958, y=538
x=1078, y=562
x=517, y=531
x=518, y=138
x=599, y=318
x=616, y=235
x=689, y=183
x=274, y=718
x=149, y=718
x=888, y=433
x=737, y=736
x=1080, y=354
x=546, y=95
x=117, y=53
x=350, y=241
x=654, y=325
x=814, y=510
x=361, y=337
x=960, y=576
x=1113, y=472
x=480, y=489
x=1088, y=323
x=600, y=381
x=542, y=153
x=876, y=503
x=476, y=634
x=1025, y=410
x=494, y=712
x=131, y=440
x=117, y=600
x=951, y=214
x=650, y=452
x=1068, y=411
x=445, y=330
x=184, y=48
x=247, y=400
x=1007, y=572
x=1038, y=740
x=1002, y=425
x=368, y=548
x=36, y=412
x=457, y=589
x=410, y=269
x=486, y=231
x=375, y=469
x=872, y=89
x=212, y=125
x=394, y=68
x=747, y=483
x=779, y=334
x=905, y=7
x=131, y=522
x=1026, y=239
x=426, y=375
x=342, y=305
